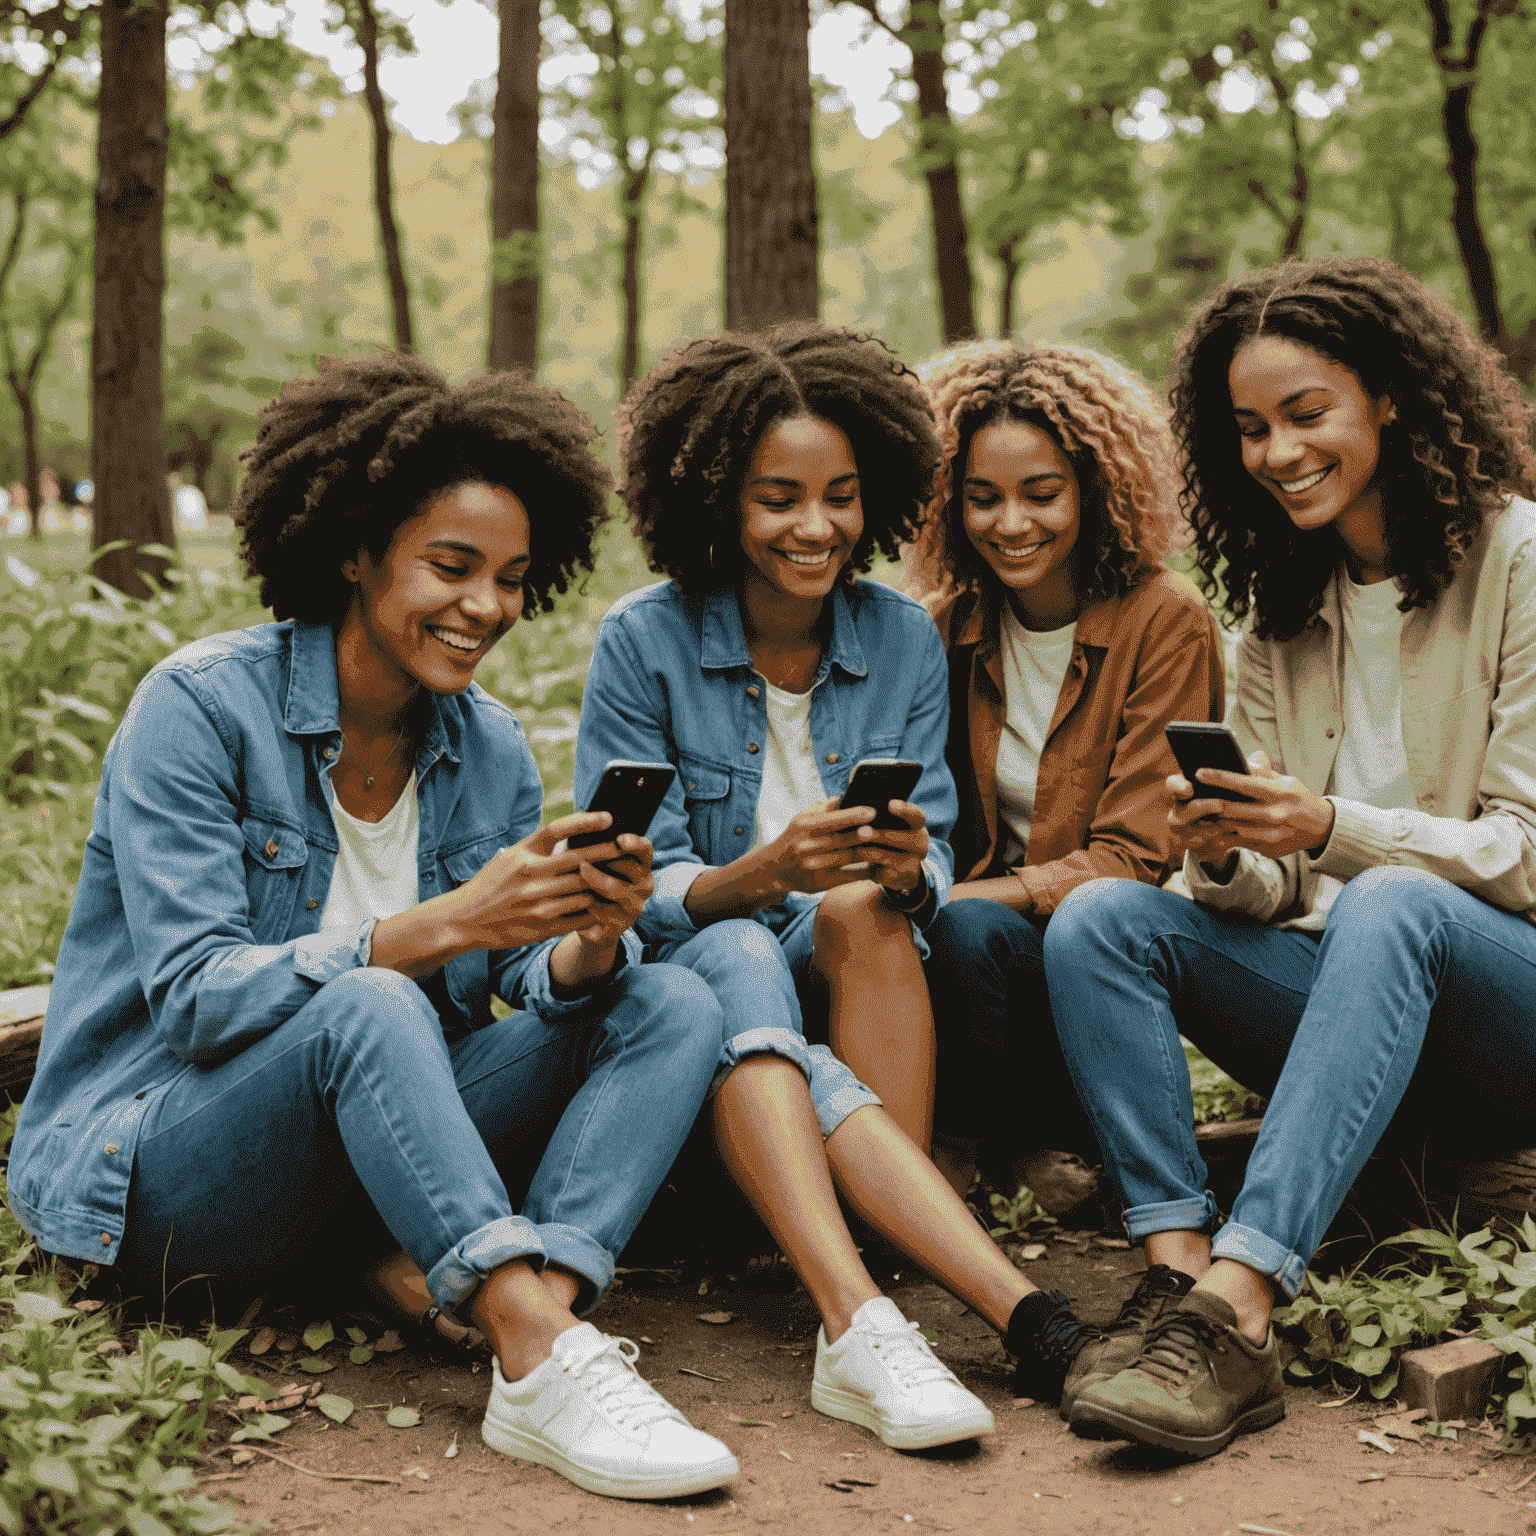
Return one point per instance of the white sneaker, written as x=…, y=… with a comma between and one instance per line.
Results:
x=882, y=1374
x=591, y=1416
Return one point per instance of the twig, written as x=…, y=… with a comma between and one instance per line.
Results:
x=220, y=1477
x=329, y=1477
x=683, y=1370
x=1523, y=1481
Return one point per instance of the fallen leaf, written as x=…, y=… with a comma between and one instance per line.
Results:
x=240, y=1458
x=316, y=1366
x=87, y=1306
x=390, y=1343
x=786, y=1456
x=1418, y=1415
x=286, y=1401
x=402, y=1418
x=361, y=1355
x=247, y=1403
x=263, y=1340
x=337, y=1409
x=645, y=1340
x=1379, y=1441
x=788, y=1413
x=1032, y=1251
x=287, y=1343
x=1399, y=1429
x=110, y=1347
x=718, y=1319
x=426, y=1477
x=357, y=1335
x=318, y=1335
x=1112, y=1242
x=754, y=1423
x=453, y=1447
x=931, y=1334
x=1024, y=1402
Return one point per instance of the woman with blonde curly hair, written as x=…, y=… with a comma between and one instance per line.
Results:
x=1070, y=647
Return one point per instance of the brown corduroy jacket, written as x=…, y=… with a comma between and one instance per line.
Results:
x=1138, y=662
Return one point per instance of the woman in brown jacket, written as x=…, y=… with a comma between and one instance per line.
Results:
x=1070, y=647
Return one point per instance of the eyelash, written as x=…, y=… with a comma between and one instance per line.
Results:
x=985, y=500
x=1253, y=434
x=511, y=583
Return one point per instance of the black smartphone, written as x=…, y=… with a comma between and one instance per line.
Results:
x=1198, y=744
x=632, y=794
x=875, y=782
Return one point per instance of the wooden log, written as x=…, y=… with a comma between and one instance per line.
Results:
x=1497, y=1189
x=21, y=1032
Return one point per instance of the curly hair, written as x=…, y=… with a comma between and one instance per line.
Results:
x=1460, y=444
x=688, y=430
x=343, y=458
x=1104, y=418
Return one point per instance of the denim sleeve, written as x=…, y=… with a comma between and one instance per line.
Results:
x=622, y=714
x=172, y=808
x=923, y=740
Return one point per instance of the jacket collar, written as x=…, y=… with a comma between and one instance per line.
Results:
x=313, y=706
x=980, y=626
x=725, y=640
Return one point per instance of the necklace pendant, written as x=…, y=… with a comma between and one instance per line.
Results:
x=368, y=782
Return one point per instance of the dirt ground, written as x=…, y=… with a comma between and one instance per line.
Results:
x=748, y=1381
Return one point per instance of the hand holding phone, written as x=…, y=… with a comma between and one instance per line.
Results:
x=1198, y=744
x=632, y=794
x=875, y=782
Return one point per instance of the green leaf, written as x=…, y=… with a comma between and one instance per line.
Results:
x=361, y=1355
x=142, y=1523
x=54, y=1472
x=931, y=1334
x=357, y=1335
x=318, y=1335
x=188, y=1352
x=338, y=1409
x=263, y=1429
x=1369, y=1362
x=316, y=1367
x=40, y=1310
x=402, y=1418
x=1365, y=1333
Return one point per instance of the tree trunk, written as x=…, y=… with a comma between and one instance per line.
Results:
x=27, y=410
x=771, y=228
x=951, y=242
x=632, y=210
x=1007, y=259
x=1476, y=259
x=383, y=180
x=514, y=339
x=128, y=329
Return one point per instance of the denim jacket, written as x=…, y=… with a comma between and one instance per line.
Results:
x=671, y=681
x=196, y=925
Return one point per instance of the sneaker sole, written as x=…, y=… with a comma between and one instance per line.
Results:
x=837, y=1404
x=1095, y=1421
x=659, y=1485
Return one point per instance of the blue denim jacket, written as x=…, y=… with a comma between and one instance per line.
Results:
x=671, y=681
x=196, y=926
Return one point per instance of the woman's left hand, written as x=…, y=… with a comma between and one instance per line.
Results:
x=896, y=857
x=1280, y=816
x=620, y=889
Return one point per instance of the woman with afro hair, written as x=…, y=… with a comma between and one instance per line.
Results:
x=1356, y=464
x=763, y=474
x=1070, y=648
x=316, y=854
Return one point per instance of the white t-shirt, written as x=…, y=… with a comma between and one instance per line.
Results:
x=1372, y=766
x=1034, y=667
x=375, y=872
x=791, y=783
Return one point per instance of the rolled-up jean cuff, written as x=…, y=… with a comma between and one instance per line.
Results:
x=1263, y=1254
x=835, y=1091
x=457, y=1275
x=1188, y=1215
x=584, y=1257
x=770, y=1040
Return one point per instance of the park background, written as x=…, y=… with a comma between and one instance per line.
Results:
x=333, y=179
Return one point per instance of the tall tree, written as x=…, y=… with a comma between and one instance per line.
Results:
x=361, y=17
x=651, y=98
x=514, y=331
x=127, y=332
x=772, y=246
x=938, y=156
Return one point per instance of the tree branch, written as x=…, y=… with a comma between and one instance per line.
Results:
x=18, y=113
x=870, y=8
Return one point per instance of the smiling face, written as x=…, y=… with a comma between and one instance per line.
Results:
x=449, y=586
x=1022, y=516
x=800, y=509
x=1311, y=436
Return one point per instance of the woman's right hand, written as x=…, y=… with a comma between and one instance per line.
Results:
x=811, y=854
x=1195, y=827
x=528, y=893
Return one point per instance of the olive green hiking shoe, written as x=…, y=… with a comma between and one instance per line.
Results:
x=1158, y=1289
x=1197, y=1383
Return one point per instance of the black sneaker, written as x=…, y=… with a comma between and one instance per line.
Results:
x=1043, y=1357
x=1156, y=1291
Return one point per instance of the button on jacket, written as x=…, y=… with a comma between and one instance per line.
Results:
x=195, y=928
x=1468, y=668
x=672, y=681
x=1138, y=662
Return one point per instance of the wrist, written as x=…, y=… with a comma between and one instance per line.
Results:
x=912, y=901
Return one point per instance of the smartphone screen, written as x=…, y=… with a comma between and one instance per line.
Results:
x=1198, y=744
x=876, y=781
x=632, y=794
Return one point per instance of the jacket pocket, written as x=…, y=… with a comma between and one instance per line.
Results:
x=706, y=791
x=275, y=856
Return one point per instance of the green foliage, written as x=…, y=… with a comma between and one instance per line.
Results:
x=1217, y=1096
x=1354, y=1328
x=1020, y=1215
x=92, y=1442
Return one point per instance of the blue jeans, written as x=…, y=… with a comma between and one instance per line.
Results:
x=250, y=1166
x=753, y=972
x=1407, y=965
x=1000, y=1068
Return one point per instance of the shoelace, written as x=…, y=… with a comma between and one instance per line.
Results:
x=1156, y=1286
x=609, y=1374
x=1063, y=1335
x=1177, y=1346
x=907, y=1356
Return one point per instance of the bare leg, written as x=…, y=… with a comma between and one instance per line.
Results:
x=520, y=1316
x=882, y=1026
x=1251, y=1294
x=400, y=1280
x=899, y=1192
x=765, y=1127
x=1187, y=1252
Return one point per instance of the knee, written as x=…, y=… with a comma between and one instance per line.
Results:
x=739, y=958
x=968, y=936
x=857, y=915
x=1393, y=896
x=1102, y=912
x=361, y=999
